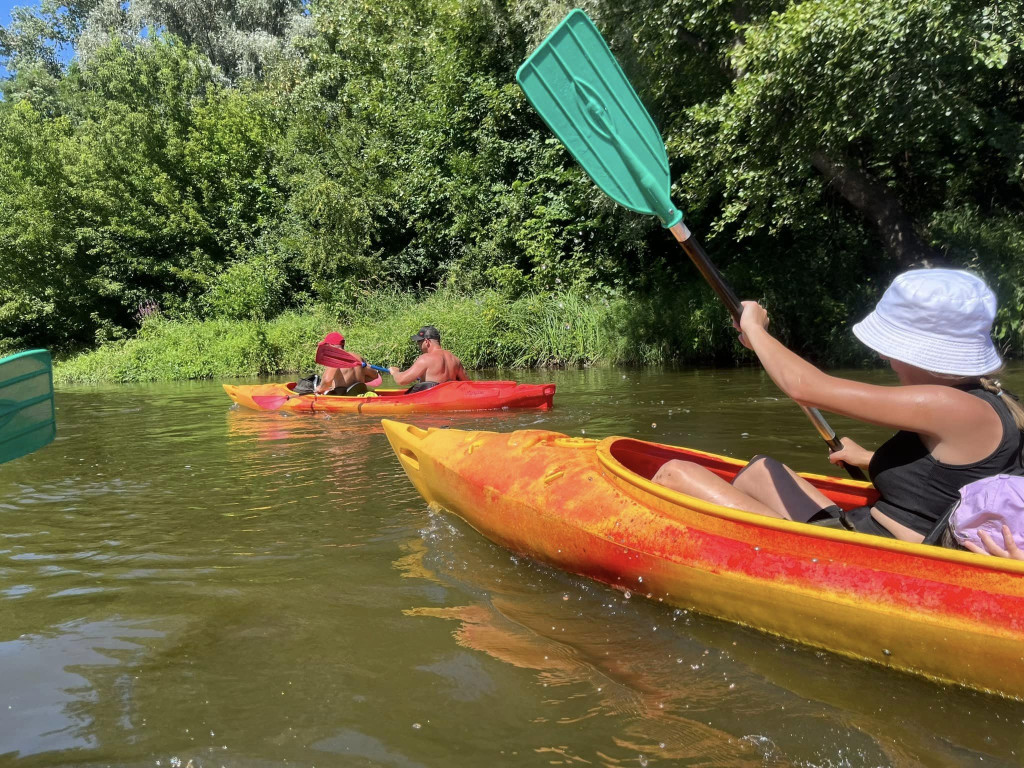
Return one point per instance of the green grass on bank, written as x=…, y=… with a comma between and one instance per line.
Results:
x=485, y=330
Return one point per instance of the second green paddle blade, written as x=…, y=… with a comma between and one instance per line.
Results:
x=577, y=86
x=27, y=417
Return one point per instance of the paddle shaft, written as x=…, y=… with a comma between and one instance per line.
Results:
x=578, y=88
x=724, y=291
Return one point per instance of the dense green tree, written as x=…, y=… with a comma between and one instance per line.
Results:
x=832, y=143
x=241, y=37
x=36, y=35
x=153, y=177
x=236, y=158
x=418, y=159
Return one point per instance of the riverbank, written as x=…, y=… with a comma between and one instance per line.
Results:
x=486, y=330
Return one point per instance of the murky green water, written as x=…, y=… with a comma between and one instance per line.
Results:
x=184, y=582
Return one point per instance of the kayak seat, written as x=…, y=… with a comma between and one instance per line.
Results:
x=359, y=388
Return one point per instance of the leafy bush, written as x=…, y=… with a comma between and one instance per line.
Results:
x=253, y=289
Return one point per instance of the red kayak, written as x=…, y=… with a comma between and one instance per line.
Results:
x=449, y=396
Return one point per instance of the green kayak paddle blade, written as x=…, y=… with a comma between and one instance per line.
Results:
x=27, y=414
x=577, y=86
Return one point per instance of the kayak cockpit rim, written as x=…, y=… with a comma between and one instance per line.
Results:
x=379, y=392
x=613, y=450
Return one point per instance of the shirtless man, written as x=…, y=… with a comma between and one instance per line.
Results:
x=434, y=365
x=344, y=381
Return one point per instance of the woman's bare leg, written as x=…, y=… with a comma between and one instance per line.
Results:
x=778, y=487
x=694, y=480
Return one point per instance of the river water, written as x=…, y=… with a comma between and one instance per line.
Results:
x=186, y=583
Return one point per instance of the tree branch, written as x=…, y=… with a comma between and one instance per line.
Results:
x=880, y=208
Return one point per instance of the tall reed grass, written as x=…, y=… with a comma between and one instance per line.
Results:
x=486, y=330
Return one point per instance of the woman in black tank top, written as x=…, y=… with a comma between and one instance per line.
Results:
x=955, y=423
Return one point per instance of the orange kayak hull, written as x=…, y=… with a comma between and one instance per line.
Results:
x=449, y=396
x=589, y=507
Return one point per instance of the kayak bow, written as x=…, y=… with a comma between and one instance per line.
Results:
x=589, y=507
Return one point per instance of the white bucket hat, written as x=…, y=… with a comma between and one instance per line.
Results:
x=936, y=319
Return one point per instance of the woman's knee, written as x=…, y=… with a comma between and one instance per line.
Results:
x=676, y=474
x=756, y=465
x=695, y=480
x=759, y=470
x=759, y=461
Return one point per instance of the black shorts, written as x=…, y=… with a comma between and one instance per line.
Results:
x=858, y=519
x=421, y=386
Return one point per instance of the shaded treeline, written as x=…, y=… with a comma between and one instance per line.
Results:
x=237, y=160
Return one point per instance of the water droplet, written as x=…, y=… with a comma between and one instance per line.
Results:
x=653, y=425
x=416, y=726
x=628, y=595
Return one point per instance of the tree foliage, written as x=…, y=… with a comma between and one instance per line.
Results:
x=238, y=157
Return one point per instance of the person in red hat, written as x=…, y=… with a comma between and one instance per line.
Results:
x=345, y=381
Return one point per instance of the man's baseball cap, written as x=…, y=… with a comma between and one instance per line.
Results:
x=424, y=333
x=334, y=338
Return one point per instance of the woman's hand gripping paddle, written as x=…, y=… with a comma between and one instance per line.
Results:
x=27, y=414
x=581, y=92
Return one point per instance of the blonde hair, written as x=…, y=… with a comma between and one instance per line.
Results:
x=990, y=384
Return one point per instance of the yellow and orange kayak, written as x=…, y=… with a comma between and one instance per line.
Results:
x=589, y=507
x=449, y=396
